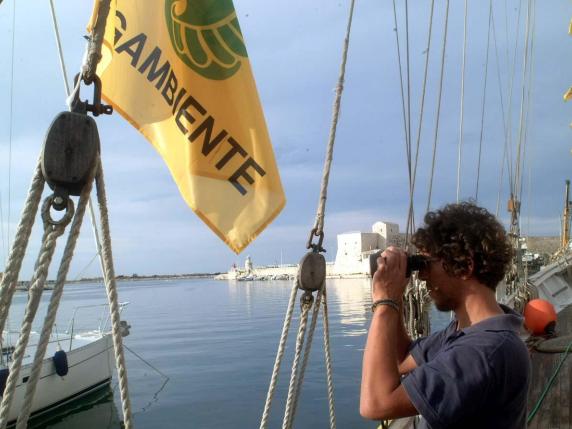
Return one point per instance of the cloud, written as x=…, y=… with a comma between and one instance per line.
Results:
x=295, y=49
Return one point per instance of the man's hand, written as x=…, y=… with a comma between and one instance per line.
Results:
x=389, y=280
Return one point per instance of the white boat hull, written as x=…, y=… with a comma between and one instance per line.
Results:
x=90, y=368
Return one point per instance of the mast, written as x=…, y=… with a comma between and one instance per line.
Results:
x=566, y=217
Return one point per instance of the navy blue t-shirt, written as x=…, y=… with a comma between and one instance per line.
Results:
x=476, y=377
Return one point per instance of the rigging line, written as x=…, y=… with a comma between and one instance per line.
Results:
x=528, y=123
x=484, y=101
x=510, y=160
x=408, y=74
x=6, y=242
x=506, y=35
x=521, y=125
x=407, y=148
x=411, y=213
x=462, y=103
x=84, y=269
x=432, y=174
x=59, y=44
x=504, y=118
x=319, y=223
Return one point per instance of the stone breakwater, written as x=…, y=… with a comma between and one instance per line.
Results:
x=279, y=272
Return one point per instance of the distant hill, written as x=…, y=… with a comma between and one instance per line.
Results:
x=536, y=244
x=543, y=244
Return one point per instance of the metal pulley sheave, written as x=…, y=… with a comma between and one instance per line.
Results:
x=71, y=147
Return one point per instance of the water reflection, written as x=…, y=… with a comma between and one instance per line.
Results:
x=216, y=340
x=94, y=411
x=348, y=300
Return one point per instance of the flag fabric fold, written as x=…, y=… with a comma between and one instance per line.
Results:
x=180, y=74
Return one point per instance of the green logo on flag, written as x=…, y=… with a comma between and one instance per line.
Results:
x=206, y=36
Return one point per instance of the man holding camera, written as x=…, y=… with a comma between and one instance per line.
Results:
x=474, y=373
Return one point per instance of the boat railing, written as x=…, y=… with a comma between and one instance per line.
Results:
x=7, y=340
x=104, y=318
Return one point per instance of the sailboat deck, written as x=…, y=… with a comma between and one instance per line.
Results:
x=555, y=409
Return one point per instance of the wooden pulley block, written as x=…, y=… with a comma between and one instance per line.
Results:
x=70, y=151
x=312, y=271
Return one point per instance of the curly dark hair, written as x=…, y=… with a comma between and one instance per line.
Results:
x=460, y=232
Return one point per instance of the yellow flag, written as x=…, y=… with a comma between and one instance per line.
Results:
x=179, y=72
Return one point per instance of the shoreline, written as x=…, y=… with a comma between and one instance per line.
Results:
x=25, y=284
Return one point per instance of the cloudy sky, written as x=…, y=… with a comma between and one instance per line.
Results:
x=295, y=49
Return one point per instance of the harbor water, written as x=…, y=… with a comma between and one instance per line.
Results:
x=216, y=341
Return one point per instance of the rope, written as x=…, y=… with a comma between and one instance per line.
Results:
x=410, y=216
x=548, y=385
x=12, y=270
x=328, y=360
x=405, y=125
x=504, y=118
x=509, y=117
x=279, y=356
x=55, y=299
x=51, y=233
x=68, y=95
x=319, y=223
x=484, y=101
x=93, y=56
x=110, y=284
x=301, y=357
x=96, y=40
x=296, y=377
x=462, y=104
x=305, y=359
x=59, y=45
x=527, y=85
x=529, y=107
x=288, y=413
x=408, y=74
x=518, y=167
x=11, y=128
x=438, y=107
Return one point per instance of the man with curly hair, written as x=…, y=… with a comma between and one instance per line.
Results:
x=473, y=374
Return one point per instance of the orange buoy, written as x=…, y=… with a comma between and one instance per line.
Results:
x=539, y=316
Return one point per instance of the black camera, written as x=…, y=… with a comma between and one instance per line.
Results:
x=414, y=263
